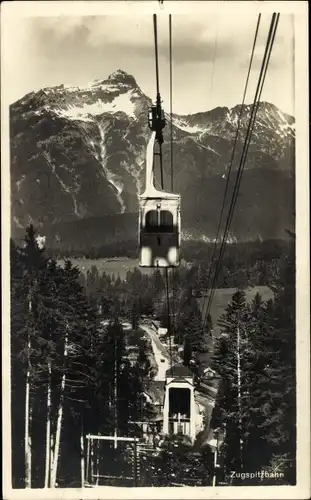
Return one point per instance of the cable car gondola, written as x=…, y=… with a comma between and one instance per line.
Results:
x=159, y=211
x=159, y=220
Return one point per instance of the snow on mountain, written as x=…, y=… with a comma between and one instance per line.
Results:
x=111, y=177
x=232, y=118
x=121, y=103
x=182, y=125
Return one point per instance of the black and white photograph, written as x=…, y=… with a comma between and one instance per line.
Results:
x=155, y=249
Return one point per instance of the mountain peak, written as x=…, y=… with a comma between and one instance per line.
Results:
x=123, y=77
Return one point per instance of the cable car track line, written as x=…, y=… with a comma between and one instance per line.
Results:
x=171, y=99
x=230, y=163
x=168, y=317
x=158, y=99
x=172, y=331
x=159, y=214
x=155, y=31
x=162, y=187
x=160, y=140
x=261, y=80
x=162, y=179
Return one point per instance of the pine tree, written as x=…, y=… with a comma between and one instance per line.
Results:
x=158, y=282
x=277, y=387
x=34, y=263
x=255, y=359
x=227, y=362
x=18, y=368
x=52, y=355
x=32, y=344
x=72, y=368
x=187, y=354
x=189, y=328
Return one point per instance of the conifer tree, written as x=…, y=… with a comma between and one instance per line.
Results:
x=34, y=263
x=276, y=389
x=18, y=367
x=53, y=322
x=256, y=400
x=187, y=354
x=189, y=328
x=228, y=363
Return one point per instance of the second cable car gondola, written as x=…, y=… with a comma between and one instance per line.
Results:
x=159, y=219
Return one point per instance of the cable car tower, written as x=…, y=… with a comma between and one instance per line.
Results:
x=159, y=211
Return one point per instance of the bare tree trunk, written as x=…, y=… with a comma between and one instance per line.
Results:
x=48, y=432
x=239, y=396
x=82, y=456
x=28, y=415
x=88, y=461
x=59, y=419
x=115, y=395
x=97, y=462
x=27, y=433
x=92, y=462
x=52, y=441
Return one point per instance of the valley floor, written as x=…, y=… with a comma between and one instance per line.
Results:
x=117, y=266
x=120, y=266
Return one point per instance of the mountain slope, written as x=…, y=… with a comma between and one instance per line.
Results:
x=79, y=153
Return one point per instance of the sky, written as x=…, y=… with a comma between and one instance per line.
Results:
x=210, y=56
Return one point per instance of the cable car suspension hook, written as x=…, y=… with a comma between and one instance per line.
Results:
x=156, y=114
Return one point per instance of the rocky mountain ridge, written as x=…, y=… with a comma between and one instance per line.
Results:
x=79, y=153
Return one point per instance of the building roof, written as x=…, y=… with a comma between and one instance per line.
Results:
x=179, y=370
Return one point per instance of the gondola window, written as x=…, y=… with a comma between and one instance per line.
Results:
x=159, y=221
x=151, y=221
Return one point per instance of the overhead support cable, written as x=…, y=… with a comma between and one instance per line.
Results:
x=172, y=323
x=169, y=325
x=261, y=80
x=171, y=99
x=158, y=98
x=155, y=31
x=158, y=103
x=228, y=175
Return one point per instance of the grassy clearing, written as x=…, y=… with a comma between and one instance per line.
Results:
x=220, y=302
x=223, y=296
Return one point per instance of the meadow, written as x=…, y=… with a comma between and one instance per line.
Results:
x=220, y=302
x=223, y=296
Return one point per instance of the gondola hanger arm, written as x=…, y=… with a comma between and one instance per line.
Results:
x=150, y=163
x=150, y=190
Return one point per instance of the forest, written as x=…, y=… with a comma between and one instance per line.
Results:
x=251, y=263
x=71, y=376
